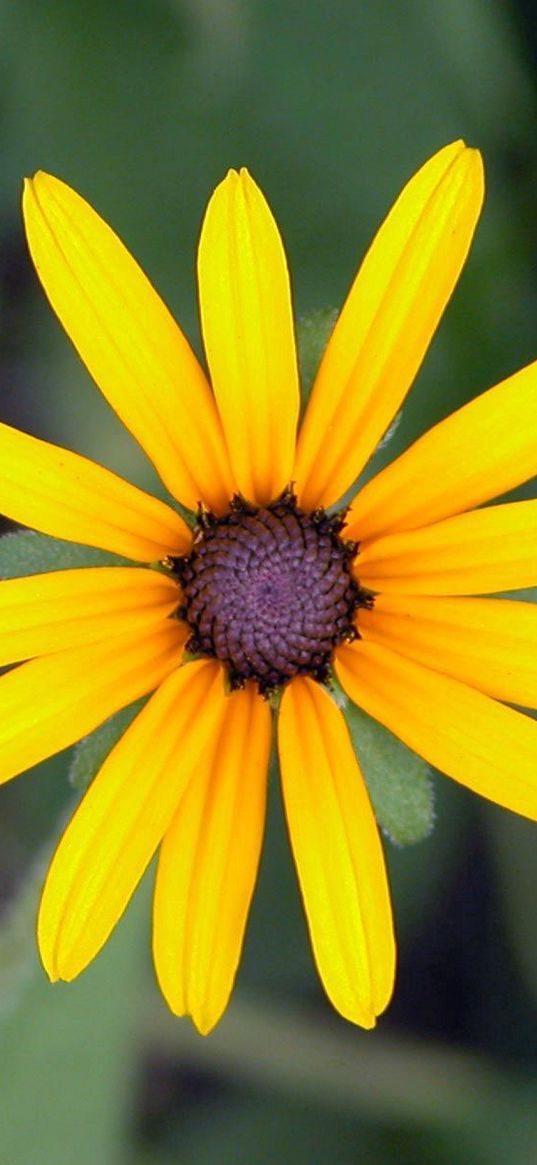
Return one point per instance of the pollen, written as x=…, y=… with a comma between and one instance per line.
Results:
x=270, y=591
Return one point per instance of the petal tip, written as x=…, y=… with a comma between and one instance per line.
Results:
x=357, y=1012
x=28, y=192
x=478, y=164
x=204, y=1024
x=457, y=156
x=47, y=959
x=35, y=178
x=471, y=165
x=41, y=179
x=475, y=157
x=238, y=182
x=231, y=180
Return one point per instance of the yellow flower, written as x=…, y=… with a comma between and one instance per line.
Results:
x=269, y=592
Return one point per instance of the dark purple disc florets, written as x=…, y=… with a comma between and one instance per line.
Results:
x=269, y=591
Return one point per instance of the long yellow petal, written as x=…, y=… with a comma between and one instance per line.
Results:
x=247, y=325
x=208, y=865
x=48, y=703
x=387, y=322
x=122, y=818
x=490, y=644
x=486, y=551
x=69, y=608
x=486, y=448
x=338, y=854
x=480, y=743
x=128, y=341
x=65, y=495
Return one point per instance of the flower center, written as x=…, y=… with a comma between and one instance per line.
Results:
x=269, y=591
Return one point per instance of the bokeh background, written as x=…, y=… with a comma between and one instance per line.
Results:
x=142, y=107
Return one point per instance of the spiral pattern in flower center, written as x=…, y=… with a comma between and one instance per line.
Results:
x=269, y=591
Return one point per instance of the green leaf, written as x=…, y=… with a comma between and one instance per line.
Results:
x=69, y=1087
x=399, y=782
x=313, y=332
x=17, y=936
x=524, y=595
x=91, y=752
x=25, y=552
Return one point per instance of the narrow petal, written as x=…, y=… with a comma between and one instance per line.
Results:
x=50, y=702
x=128, y=340
x=481, y=553
x=387, y=322
x=338, y=854
x=247, y=325
x=122, y=818
x=480, y=743
x=490, y=644
x=208, y=865
x=65, y=495
x=45, y=613
x=486, y=448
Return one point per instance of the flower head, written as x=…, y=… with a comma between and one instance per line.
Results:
x=269, y=594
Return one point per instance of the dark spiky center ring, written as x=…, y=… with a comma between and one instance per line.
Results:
x=269, y=591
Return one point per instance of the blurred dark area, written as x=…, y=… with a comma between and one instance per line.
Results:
x=142, y=107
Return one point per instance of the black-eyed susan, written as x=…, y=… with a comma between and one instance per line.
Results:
x=270, y=592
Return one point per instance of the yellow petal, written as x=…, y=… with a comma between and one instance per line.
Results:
x=48, y=703
x=67, y=496
x=490, y=644
x=69, y=608
x=128, y=341
x=483, y=552
x=208, y=864
x=338, y=854
x=480, y=743
x=486, y=448
x=122, y=818
x=247, y=325
x=387, y=322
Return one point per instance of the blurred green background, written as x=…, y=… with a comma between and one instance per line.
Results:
x=142, y=107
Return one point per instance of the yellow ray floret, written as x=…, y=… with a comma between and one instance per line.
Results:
x=65, y=495
x=123, y=817
x=337, y=853
x=483, y=744
x=484, y=449
x=387, y=322
x=208, y=864
x=247, y=324
x=485, y=551
x=128, y=340
x=490, y=644
x=69, y=608
x=50, y=702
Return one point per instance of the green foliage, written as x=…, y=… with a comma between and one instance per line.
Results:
x=67, y=1054
x=90, y=753
x=25, y=552
x=17, y=938
x=399, y=782
x=313, y=332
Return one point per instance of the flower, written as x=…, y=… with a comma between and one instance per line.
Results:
x=271, y=592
